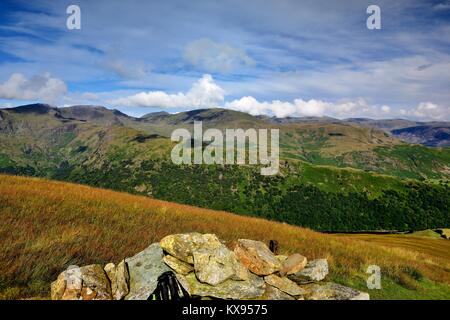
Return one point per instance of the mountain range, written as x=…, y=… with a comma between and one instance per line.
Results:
x=345, y=175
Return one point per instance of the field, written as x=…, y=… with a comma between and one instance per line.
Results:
x=47, y=226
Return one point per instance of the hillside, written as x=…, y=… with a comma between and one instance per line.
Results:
x=432, y=134
x=436, y=136
x=324, y=141
x=58, y=224
x=315, y=188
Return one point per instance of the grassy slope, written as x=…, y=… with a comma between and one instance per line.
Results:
x=56, y=224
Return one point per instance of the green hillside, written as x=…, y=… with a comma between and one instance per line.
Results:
x=333, y=176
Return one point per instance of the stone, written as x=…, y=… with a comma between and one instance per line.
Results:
x=281, y=257
x=273, y=293
x=252, y=288
x=284, y=284
x=58, y=287
x=88, y=294
x=240, y=271
x=85, y=283
x=293, y=264
x=315, y=270
x=177, y=265
x=181, y=246
x=96, y=285
x=332, y=291
x=68, y=285
x=144, y=269
x=119, y=278
x=217, y=265
x=110, y=270
x=256, y=257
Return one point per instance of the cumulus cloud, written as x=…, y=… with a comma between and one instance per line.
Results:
x=205, y=93
x=215, y=57
x=39, y=87
x=346, y=109
x=428, y=111
x=306, y=108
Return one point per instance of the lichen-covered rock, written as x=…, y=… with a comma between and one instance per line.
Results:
x=332, y=291
x=293, y=264
x=144, y=269
x=177, y=265
x=252, y=288
x=110, y=270
x=95, y=282
x=256, y=257
x=68, y=285
x=273, y=293
x=120, y=278
x=85, y=283
x=284, y=284
x=214, y=266
x=315, y=270
x=182, y=246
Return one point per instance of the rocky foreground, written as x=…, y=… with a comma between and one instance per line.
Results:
x=206, y=268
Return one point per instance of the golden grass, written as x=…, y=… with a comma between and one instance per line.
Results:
x=48, y=225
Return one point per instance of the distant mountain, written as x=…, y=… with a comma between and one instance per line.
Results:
x=344, y=171
x=385, y=124
x=431, y=134
x=96, y=114
x=153, y=115
x=53, y=132
x=428, y=135
x=300, y=119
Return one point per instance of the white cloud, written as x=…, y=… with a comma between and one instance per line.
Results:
x=346, y=109
x=205, y=93
x=429, y=111
x=215, y=57
x=39, y=87
x=303, y=108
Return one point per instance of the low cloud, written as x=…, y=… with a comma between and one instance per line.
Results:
x=205, y=93
x=39, y=87
x=215, y=57
x=308, y=108
x=427, y=111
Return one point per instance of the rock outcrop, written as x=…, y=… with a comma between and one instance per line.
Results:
x=144, y=269
x=293, y=264
x=332, y=291
x=85, y=283
x=206, y=268
x=256, y=257
x=315, y=270
x=120, y=279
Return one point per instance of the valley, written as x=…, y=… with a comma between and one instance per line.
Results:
x=334, y=176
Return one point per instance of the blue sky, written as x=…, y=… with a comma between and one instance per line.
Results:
x=283, y=58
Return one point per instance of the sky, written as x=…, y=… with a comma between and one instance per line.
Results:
x=279, y=58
